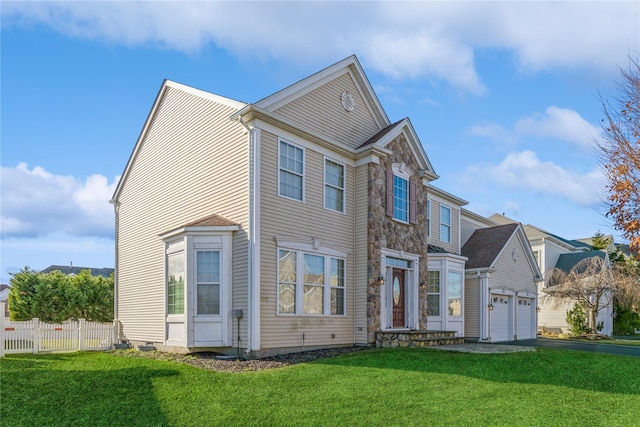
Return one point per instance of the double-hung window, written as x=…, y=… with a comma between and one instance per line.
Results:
x=433, y=293
x=291, y=171
x=401, y=194
x=445, y=224
x=400, y=199
x=333, y=185
x=208, y=282
x=310, y=284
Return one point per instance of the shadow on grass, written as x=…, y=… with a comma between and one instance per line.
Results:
x=579, y=370
x=59, y=389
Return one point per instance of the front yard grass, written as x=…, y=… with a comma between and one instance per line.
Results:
x=389, y=387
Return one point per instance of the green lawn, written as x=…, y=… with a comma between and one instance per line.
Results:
x=391, y=387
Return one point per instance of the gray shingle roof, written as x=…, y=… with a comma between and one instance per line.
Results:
x=380, y=134
x=567, y=261
x=67, y=269
x=485, y=244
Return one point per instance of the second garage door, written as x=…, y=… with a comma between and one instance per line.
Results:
x=524, y=312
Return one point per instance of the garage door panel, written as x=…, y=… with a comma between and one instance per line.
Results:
x=524, y=312
x=500, y=318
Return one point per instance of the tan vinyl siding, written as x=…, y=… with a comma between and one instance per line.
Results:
x=472, y=308
x=361, y=244
x=284, y=217
x=321, y=111
x=466, y=230
x=514, y=275
x=192, y=163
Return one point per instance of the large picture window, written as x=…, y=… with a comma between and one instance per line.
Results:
x=291, y=171
x=333, y=185
x=433, y=293
x=175, y=283
x=310, y=284
x=445, y=224
x=208, y=282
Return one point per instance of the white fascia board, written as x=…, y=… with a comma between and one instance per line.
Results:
x=207, y=95
x=442, y=195
x=200, y=230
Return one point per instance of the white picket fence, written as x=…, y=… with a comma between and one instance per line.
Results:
x=34, y=336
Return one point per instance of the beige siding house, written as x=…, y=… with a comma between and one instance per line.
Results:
x=304, y=220
x=552, y=251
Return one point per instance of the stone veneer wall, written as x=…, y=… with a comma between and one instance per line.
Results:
x=384, y=232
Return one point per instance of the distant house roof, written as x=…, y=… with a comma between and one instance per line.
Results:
x=67, y=269
x=485, y=244
x=567, y=261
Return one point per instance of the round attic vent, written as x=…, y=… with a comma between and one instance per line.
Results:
x=348, y=102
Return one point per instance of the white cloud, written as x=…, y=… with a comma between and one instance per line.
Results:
x=401, y=39
x=494, y=132
x=560, y=123
x=524, y=171
x=36, y=202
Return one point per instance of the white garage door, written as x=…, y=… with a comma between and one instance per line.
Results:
x=500, y=318
x=524, y=312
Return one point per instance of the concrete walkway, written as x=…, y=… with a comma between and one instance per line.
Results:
x=531, y=345
x=483, y=348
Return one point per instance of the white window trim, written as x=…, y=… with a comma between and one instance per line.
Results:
x=221, y=261
x=344, y=185
x=401, y=170
x=411, y=283
x=461, y=273
x=304, y=167
x=443, y=206
x=439, y=293
x=428, y=217
x=301, y=249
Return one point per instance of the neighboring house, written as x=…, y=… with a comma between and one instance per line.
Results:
x=501, y=284
x=296, y=222
x=4, y=297
x=71, y=270
x=502, y=280
x=552, y=251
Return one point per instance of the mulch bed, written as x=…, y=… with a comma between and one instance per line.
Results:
x=210, y=361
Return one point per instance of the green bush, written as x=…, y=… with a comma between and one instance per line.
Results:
x=54, y=297
x=625, y=322
x=577, y=320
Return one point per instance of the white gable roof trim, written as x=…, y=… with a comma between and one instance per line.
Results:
x=166, y=84
x=349, y=65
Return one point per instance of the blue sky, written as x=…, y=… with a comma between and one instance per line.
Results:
x=503, y=96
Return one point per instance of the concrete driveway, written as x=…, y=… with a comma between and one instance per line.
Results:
x=620, y=350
